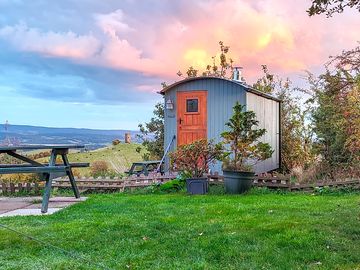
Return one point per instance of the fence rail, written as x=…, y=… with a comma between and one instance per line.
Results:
x=272, y=182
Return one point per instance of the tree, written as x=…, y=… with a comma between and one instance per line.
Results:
x=223, y=70
x=267, y=83
x=336, y=112
x=336, y=97
x=155, y=127
x=331, y=6
x=243, y=139
x=348, y=61
x=296, y=134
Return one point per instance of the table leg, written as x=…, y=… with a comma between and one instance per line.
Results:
x=71, y=176
x=49, y=178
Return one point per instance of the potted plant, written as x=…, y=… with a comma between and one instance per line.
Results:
x=246, y=150
x=193, y=160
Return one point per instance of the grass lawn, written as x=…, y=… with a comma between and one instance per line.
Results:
x=177, y=231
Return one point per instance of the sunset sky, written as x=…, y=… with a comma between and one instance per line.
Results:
x=98, y=64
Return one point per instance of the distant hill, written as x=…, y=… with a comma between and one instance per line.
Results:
x=119, y=157
x=92, y=138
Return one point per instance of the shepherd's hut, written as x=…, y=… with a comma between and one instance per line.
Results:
x=199, y=107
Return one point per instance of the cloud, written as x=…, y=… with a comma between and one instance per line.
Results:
x=112, y=23
x=31, y=75
x=120, y=48
x=67, y=44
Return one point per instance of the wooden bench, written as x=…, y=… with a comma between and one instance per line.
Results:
x=144, y=167
x=47, y=171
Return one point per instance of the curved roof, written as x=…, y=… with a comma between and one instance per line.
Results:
x=246, y=87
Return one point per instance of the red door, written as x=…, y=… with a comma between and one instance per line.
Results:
x=191, y=116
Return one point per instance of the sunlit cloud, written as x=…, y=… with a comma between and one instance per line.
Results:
x=258, y=32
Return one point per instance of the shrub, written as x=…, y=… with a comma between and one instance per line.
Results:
x=20, y=178
x=243, y=138
x=99, y=168
x=116, y=142
x=173, y=185
x=194, y=159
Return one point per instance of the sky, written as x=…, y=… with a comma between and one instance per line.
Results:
x=99, y=64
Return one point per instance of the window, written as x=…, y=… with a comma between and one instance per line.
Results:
x=192, y=105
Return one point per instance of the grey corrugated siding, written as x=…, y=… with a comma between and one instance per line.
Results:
x=222, y=96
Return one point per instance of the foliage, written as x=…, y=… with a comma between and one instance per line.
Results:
x=116, y=142
x=331, y=6
x=336, y=112
x=19, y=178
x=176, y=231
x=267, y=83
x=223, y=69
x=99, y=168
x=243, y=139
x=348, y=61
x=40, y=155
x=173, y=185
x=194, y=159
x=155, y=126
x=296, y=130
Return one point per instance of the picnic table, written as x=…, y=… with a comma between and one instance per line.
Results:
x=47, y=171
x=144, y=167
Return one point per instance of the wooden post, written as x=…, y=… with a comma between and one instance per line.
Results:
x=47, y=191
x=70, y=175
x=4, y=188
x=12, y=188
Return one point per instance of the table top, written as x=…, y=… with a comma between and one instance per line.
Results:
x=146, y=162
x=41, y=146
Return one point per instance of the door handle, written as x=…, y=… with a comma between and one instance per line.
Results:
x=180, y=120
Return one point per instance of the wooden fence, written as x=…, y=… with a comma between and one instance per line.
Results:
x=12, y=188
x=272, y=182
x=91, y=183
x=284, y=183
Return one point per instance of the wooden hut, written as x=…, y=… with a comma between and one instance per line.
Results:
x=199, y=107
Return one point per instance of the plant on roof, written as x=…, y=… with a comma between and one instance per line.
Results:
x=194, y=159
x=243, y=140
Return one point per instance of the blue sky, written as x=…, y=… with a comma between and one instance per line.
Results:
x=98, y=64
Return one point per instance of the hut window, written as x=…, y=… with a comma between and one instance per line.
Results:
x=192, y=105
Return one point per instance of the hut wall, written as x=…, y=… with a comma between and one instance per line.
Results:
x=267, y=113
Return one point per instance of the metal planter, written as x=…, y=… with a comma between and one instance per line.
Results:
x=199, y=186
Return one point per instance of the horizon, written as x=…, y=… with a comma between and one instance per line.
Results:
x=97, y=65
x=58, y=127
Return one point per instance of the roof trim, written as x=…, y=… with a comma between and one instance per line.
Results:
x=247, y=87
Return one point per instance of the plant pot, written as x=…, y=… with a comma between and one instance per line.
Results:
x=237, y=182
x=197, y=186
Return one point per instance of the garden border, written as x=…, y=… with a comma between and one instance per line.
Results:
x=132, y=182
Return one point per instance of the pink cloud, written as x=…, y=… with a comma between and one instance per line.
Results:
x=273, y=32
x=112, y=23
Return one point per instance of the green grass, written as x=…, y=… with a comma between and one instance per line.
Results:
x=177, y=231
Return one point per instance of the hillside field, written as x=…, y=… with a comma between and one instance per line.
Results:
x=119, y=157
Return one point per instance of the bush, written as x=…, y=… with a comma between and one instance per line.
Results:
x=19, y=178
x=194, y=159
x=116, y=142
x=173, y=185
x=99, y=168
